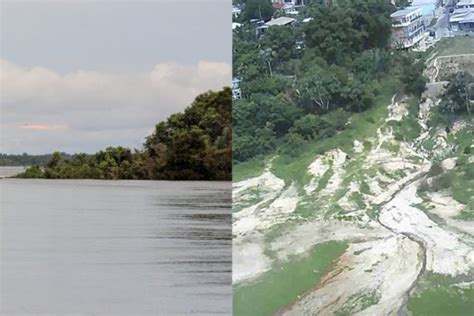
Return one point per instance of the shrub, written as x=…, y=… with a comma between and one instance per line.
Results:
x=435, y=169
x=33, y=172
x=441, y=182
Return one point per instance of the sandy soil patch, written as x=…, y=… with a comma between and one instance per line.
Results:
x=448, y=164
x=444, y=206
x=358, y=146
x=262, y=216
x=446, y=253
x=338, y=158
x=397, y=110
x=385, y=267
x=267, y=182
x=317, y=169
x=248, y=259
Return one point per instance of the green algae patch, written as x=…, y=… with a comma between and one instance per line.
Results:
x=442, y=301
x=285, y=282
x=442, y=295
x=249, y=169
x=455, y=46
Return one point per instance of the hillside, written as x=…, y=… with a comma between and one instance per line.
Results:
x=374, y=219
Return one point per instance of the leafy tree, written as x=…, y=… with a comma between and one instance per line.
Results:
x=280, y=41
x=411, y=74
x=402, y=3
x=459, y=95
x=257, y=9
x=33, y=172
x=195, y=144
x=348, y=28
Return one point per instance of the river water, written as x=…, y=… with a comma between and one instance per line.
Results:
x=84, y=247
x=6, y=172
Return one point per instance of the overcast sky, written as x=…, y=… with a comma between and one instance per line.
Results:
x=79, y=76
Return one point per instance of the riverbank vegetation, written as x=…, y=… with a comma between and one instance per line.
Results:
x=192, y=145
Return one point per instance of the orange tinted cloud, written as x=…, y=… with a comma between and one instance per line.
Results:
x=43, y=127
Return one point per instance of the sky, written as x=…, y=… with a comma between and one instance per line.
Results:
x=79, y=76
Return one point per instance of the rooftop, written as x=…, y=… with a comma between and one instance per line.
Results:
x=236, y=25
x=465, y=2
x=464, y=17
x=284, y=20
x=404, y=12
x=467, y=18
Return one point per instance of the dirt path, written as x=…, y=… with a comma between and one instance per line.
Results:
x=402, y=310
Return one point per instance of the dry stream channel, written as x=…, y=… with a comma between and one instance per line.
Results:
x=398, y=236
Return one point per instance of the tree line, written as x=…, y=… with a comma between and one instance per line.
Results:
x=26, y=159
x=192, y=145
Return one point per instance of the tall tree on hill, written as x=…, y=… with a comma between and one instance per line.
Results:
x=459, y=94
x=257, y=9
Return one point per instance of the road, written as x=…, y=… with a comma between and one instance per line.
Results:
x=441, y=26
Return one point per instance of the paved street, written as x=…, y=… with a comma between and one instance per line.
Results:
x=442, y=25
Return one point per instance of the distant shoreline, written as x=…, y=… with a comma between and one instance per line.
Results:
x=23, y=168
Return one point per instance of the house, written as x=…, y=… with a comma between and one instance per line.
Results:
x=278, y=4
x=408, y=28
x=428, y=9
x=236, y=92
x=236, y=11
x=394, y=2
x=236, y=25
x=281, y=21
x=289, y=9
x=462, y=18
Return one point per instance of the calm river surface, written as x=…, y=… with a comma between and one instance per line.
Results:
x=6, y=172
x=82, y=247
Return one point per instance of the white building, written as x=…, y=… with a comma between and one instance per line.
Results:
x=462, y=18
x=289, y=9
x=236, y=92
x=278, y=4
x=236, y=11
x=408, y=28
x=236, y=25
x=281, y=21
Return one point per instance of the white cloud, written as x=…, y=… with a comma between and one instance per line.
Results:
x=105, y=104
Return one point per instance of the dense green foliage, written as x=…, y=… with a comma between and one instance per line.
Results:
x=256, y=9
x=33, y=172
x=302, y=83
x=459, y=95
x=193, y=145
x=440, y=295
